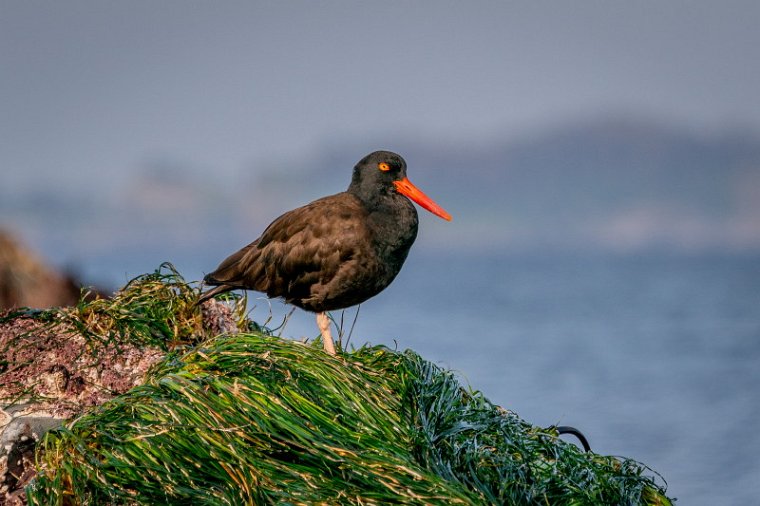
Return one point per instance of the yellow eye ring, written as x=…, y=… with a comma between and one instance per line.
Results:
x=383, y=166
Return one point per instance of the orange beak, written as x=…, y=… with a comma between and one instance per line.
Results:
x=406, y=188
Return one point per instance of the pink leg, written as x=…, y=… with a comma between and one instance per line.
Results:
x=323, y=322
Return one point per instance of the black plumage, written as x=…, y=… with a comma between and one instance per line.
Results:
x=337, y=251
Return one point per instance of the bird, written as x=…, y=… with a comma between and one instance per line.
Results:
x=337, y=251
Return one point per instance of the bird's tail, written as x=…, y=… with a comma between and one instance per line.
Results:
x=213, y=293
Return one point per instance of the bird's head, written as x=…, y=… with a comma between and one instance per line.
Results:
x=383, y=172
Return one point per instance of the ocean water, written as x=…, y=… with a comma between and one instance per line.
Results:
x=652, y=357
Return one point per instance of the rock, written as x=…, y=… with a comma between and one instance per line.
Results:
x=50, y=373
x=26, y=281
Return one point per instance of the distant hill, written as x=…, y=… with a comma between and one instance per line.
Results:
x=613, y=183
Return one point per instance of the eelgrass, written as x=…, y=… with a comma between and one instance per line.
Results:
x=157, y=309
x=253, y=419
x=257, y=420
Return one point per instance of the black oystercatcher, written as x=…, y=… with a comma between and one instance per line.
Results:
x=337, y=251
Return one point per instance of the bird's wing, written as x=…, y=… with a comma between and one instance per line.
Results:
x=307, y=246
x=301, y=248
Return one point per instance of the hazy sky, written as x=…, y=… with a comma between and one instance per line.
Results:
x=89, y=89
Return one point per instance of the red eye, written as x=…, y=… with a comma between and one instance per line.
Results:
x=383, y=166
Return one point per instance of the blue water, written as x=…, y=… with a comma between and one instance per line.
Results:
x=653, y=357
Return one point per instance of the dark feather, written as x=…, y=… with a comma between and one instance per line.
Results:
x=319, y=257
x=335, y=252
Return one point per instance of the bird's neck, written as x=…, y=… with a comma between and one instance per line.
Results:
x=391, y=216
x=393, y=220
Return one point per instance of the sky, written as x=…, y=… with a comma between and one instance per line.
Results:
x=90, y=89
